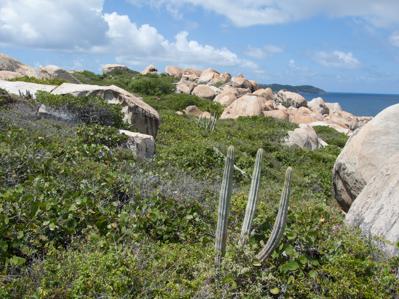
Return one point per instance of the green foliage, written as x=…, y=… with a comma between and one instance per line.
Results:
x=80, y=218
x=54, y=81
x=96, y=134
x=152, y=85
x=331, y=136
x=88, y=109
x=178, y=102
x=5, y=98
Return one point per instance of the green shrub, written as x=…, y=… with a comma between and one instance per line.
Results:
x=54, y=81
x=88, y=109
x=178, y=102
x=5, y=98
x=331, y=136
x=152, y=85
x=96, y=134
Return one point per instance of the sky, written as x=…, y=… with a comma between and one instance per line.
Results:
x=340, y=45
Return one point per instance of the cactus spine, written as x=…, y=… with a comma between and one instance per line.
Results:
x=280, y=222
x=252, y=199
x=224, y=207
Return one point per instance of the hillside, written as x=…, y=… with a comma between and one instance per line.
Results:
x=294, y=88
x=82, y=217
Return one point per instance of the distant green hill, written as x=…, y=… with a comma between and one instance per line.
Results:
x=299, y=88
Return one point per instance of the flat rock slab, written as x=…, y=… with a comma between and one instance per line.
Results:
x=25, y=88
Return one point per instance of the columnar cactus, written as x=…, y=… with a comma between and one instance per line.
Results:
x=280, y=222
x=252, y=199
x=224, y=206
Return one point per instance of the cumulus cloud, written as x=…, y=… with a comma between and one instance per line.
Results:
x=337, y=59
x=266, y=51
x=77, y=25
x=394, y=39
x=71, y=24
x=255, y=12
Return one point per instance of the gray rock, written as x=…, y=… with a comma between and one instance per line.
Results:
x=365, y=153
x=290, y=99
x=135, y=110
x=204, y=91
x=109, y=68
x=55, y=72
x=376, y=209
x=141, y=144
x=11, y=65
x=318, y=105
x=304, y=137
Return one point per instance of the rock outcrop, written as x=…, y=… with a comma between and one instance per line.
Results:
x=204, y=91
x=11, y=68
x=55, y=72
x=25, y=88
x=318, y=105
x=174, y=71
x=248, y=105
x=135, y=110
x=366, y=152
x=376, y=208
x=151, y=69
x=290, y=99
x=303, y=115
x=304, y=137
x=109, y=68
x=142, y=145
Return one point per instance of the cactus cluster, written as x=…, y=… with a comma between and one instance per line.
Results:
x=207, y=123
x=224, y=208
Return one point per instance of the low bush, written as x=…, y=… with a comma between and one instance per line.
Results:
x=153, y=85
x=88, y=109
x=54, y=81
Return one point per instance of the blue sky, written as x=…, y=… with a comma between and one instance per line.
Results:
x=350, y=45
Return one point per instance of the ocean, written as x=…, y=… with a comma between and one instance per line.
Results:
x=360, y=104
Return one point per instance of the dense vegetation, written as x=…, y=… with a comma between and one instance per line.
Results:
x=81, y=218
x=294, y=88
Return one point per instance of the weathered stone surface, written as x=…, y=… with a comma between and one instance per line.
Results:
x=304, y=137
x=25, y=88
x=248, y=105
x=196, y=112
x=7, y=75
x=11, y=65
x=185, y=86
x=207, y=76
x=55, y=113
x=204, y=91
x=135, y=110
x=55, y=72
x=290, y=99
x=141, y=144
x=220, y=79
x=151, y=69
x=241, y=82
x=365, y=153
x=318, y=105
x=174, y=71
x=109, y=68
x=303, y=115
x=376, y=208
x=226, y=98
x=191, y=74
x=264, y=92
x=278, y=114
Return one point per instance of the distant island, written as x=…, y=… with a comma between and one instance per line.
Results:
x=298, y=88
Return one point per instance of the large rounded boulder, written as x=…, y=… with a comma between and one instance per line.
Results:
x=366, y=152
x=376, y=210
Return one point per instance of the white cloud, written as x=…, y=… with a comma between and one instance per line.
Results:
x=255, y=12
x=77, y=25
x=263, y=52
x=337, y=59
x=394, y=39
x=71, y=24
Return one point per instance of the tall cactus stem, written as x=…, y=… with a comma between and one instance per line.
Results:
x=224, y=207
x=252, y=198
x=281, y=220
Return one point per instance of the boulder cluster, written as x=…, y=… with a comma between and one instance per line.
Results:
x=243, y=97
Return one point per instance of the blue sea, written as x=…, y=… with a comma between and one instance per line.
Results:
x=360, y=104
